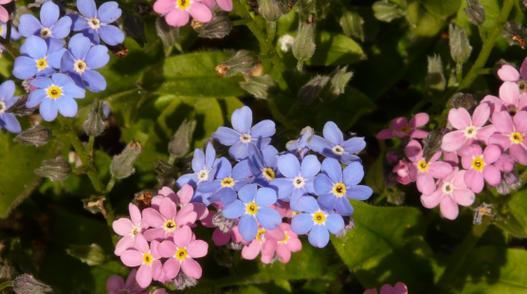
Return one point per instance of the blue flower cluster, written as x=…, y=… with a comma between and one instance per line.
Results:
x=266, y=186
x=61, y=55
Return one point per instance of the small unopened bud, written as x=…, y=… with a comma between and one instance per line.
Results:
x=340, y=80
x=165, y=173
x=515, y=34
x=242, y=62
x=95, y=205
x=218, y=28
x=183, y=281
x=304, y=46
x=460, y=48
x=475, y=12
x=19, y=108
x=168, y=35
x=180, y=143
x=222, y=223
x=463, y=100
x=258, y=86
x=91, y=254
x=286, y=42
x=94, y=124
x=509, y=183
x=27, y=284
x=435, y=77
x=123, y=164
x=36, y=136
x=271, y=10
x=352, y=24
x=56, y=169
x=432, y=143
x=313, y=89
x=387, y=11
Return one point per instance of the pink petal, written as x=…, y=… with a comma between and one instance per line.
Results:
x=4, y=15
x=167, y=249
x=508, y=73
x=419, y=120
x=449, y=208
x=425, y=184
x=440, y=169
x=474, y=181
x=197, y=248
x=123, y=244
x=182, y=236
x=481, y=115
x=191, y=268
x=186, y=216
x=135, y=214
x=505, y=163
x=294, y=243
x=152, y=218
x=509, y=93
x=485, y=132
x=122, y=226
x=413, y=150
x=144, y=276
x=432, y=200
x=385, y=134
x=171, y=268
x=418, y=134
x=141, y=244
x=200, y=12
x=168, y=208
x=220, y=238
x=453, y=141
x=132, y=258
x=459, y=118
x=152, y=234
x=185, y=194
x=491, y=153
x=399, y=123
x=495, y=103
x=164, y=6
x=225, y=5
x=177, y=18
x=492, y=175
x=503, y=122
x=2, y=2
x=519, y=153
x=464, y=197
x=157, y=271
x=522, y=102
x=501, y=140
x=252, y=250
x=283, y=253
x=114, y=284
x=520, y=121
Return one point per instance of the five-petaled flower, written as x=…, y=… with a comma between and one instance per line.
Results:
x=50, y=26
x=333, y=144
x=38, y=58
x=97, y=23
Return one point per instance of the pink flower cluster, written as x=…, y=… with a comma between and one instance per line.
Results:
x=398, y=288
x=177, y=13
x=159, y=241
x=478, y=148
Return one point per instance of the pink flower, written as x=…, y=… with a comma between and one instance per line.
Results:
x=511, y=134
x=429, y=170
x=181, y=253
x=116, y=284
x=452, y=191
x=4, y=14
x=405, y=172
x=182, y=198
x=285, y=242
x=129, y=229
x=467, y=128
x=178, y=12
x=479, y=166
x=146, y=258
x=509, y=73
x=167, y=220
x=225, y=5
x=400, y=127
x=398, y=288
x=511, y=99
x=250, y=251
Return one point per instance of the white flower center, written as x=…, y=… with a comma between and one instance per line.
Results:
x=447, y=188
x=471, y=132
x=45, y=33
x=338, y=150
x=80, y=66
x=203, y=175
x=299, y=182
x=245, y=138
x=94, y=23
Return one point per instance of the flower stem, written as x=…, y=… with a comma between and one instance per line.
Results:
x=488, y=45
x=86, y=161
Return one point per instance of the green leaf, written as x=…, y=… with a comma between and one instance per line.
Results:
x=209, y=117
x=336, y=49
x=516, y=222
x=194, y=75
x=441, y=8
x=17, y=179
x=386, y=246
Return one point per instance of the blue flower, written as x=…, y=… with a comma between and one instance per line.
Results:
x=15, y=35
x=253, y=207
x=300, y=145
x=55, y=94
x=82, y=60
x=8, y=120
x=38, y=59
x=263, y=164
x=97, y=24
x=333, y=144
x=243, y=135
x=334, y=186
x=298, y=177
x=50, y=25
x=316, y=222
x=227, y=180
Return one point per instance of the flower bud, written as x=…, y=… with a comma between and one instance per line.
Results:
x=509, y=184
x=91, y=254
x=165, y=173
x=286, y=42
x=515, y=34
x=475, y=12
x=460, y=48
x=352, y=24
x=36, y=136
x=180, y=143
x=95, y=205
x=304, y=46
x=219, y=27
x=435, y=78
x=387, y=11
x=313, y=89
x=463, y=100
x=271, y=10
x=26, y=283
x=340, y=80
x=168, y=35
x=242, y=62
x=56, y=169
x=222, y=223
x=123, y=164
x=94, y=124
x=258, y=86
x=432, y=142
x=183, y=281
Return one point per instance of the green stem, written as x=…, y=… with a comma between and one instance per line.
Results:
x=5, y=285
x=488, y=45
x=86, y=161
x=457, y=259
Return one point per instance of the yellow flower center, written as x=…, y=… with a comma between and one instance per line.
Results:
x=45, y=33
x=260, y=236
x=148, y=258
x=203, y=175
x=285, y=239
x=423, y=166
x=245, y=138
x=339, y=189
x=268, y=173
x=54, y=92
x=478, y=163
x=94, y=23
x=183, y=4
x=169, y=226
x=251, y=208
x=79, y=66
x=42, y=63
x=181, y=254
x=299, y=182
x=227, y=182
x=337, y=150
x=516, y=138
x=471, y=132
x=319, y=217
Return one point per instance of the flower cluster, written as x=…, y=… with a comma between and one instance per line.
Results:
x=177, y=13
x=159, y=240
x=478, y=147
x=57, y=68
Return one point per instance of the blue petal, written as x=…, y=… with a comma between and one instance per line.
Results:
x=49, y=14
x=310, y=166
x=308, y=204
x=285, y=187
x=335, y=223
x=354, y=145
x=48, y=110
x=95, y=82
x=7, y=90
x=226, y=136
x=87, y=8
x=265, y=128
x=224, y=168
x=61, y=80
x=288, y=165
x=97, y=57
x=359, y=192
x=319, y=236
x=266, y=197
x=234, y=210
x=268, y=218
x=327, y=201
x=319, y=144
x=242, y=120
x=54, y=58
x=73, y=90
x=210, y=156
x=241, y=170
x=332, y=133
x=10, y=122
x=35, y=47
x=79, y=46
x=111, y=35
x=248, y=228
x=333, y=169
x=186, y=179
x=225, y=196
x=67, y=106
x=62, y=28
x=247, y=193
x=67, y=62
x=35, y=98
x=343, y=207
x=209, y=186
x=270, y=157
x=239, y=150
x=80, y=24
x=41, y=83
x=323, y=184
x=24, y=68
x=198, y=161
x=353, y=173
x=109, y=12
x=29, y=25
x=302, y=223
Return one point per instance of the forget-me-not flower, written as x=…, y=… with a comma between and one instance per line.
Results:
x=298, y=177
x=38, y=59
x=8, y=120
x=97, y=23
x=333, y=144
x=50, y=25
x=263, y=164
x=228, y=180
